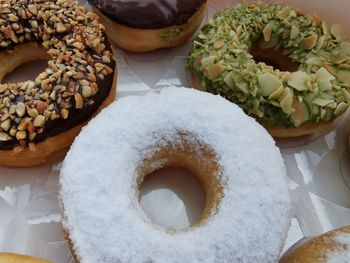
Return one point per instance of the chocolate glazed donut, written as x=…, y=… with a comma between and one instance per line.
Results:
x=39, y=118
x=145, y=25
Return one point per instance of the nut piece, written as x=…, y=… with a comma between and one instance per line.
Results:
x=78, y=45
x=215, y=70
x=3, y=87
x=79, y=102
x=39, y=121
x=106, y=59
x=13, y=17
x=268, y=83
x=6, y=125
x=299, y=80
x=21, y=135
x=267, y=31
x=60, y=28
x=338, y=32
x=4, y=137
x=300, y=113
x=41, y=106
x=309, y=42
x=32, y=112
x=324, y=79
x=86, y=91
x=294, y=32
x=64, y=113
x=20, y=109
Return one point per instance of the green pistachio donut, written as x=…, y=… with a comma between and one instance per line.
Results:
x=310, y=88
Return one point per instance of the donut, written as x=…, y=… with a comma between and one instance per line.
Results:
x=15, y=258
x=331, y=247
x=288, y=70
x=40, y=118
x=247, y=210
x=141, y=26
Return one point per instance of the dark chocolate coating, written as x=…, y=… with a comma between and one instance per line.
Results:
x=148, y=14
x=67, y=87
x=76, y=116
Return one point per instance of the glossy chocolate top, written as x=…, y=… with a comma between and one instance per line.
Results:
x=148, y=13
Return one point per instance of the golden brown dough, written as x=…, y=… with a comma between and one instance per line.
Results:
x=16, y=258
x=143, y=40
x=317, y=249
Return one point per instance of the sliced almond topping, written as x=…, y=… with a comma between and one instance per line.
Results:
x=268, y=83
x=324, y=79
x=338, y=32
x=341, y=108
x=309, y=42
x=294, y=32
x=299, y=80
x=300, y=113
x=283, y=14
x=267, y=31
x=215, y=70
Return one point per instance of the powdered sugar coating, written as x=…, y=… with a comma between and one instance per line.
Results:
x=98, y=183
x=341, y=255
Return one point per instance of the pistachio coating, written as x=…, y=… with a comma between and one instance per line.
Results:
x=318, y=91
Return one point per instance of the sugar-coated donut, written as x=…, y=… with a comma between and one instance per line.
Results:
x=304, y=96
x=331, y=247
x=41, y=117
x=16, y=258
x=246, y=215
x=146, y=25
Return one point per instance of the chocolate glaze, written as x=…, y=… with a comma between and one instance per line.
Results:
x=148, y=13
x=76, y=116
x=20, y=36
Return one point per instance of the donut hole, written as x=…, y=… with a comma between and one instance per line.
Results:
x=273, y=57
x=196, y=159
x=25, y=62
x=172, y=198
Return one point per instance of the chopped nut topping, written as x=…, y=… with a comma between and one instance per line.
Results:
x=20, y=109
x=79, y=60
x=3, y=87
x=79, y=102
x=39, y=121
x=21, y=135
x=64, y=113
x=86, y=91
x=6, y=125
x=4, y=137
